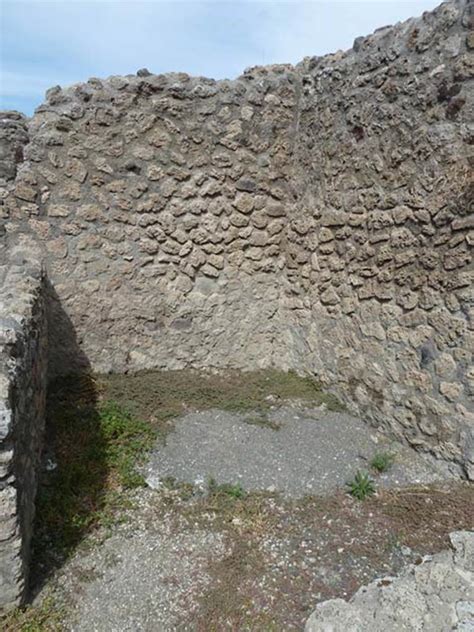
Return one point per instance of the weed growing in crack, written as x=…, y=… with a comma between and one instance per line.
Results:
x=361, y=486
x=227, y=489
x=382, y=461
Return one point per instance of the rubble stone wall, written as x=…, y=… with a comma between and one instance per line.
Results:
x=13, y=137
x=23, y=368
x=385, y=171
x=162, y=203
x=314, y=217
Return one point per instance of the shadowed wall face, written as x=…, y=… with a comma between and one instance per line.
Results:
x=316, y=217
x=23, y=368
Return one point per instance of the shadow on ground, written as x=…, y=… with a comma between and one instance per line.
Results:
x=90, y=450
x=74, y=469
x=93, y=447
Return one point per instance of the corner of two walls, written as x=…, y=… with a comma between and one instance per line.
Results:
x=386, y=134
x=161, y=204
x=315, y=217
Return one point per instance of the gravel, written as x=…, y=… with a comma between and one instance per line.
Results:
x=146, y=577
x=178, y=560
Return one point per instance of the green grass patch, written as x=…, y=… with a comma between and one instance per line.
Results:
x=159, y=396
x=97, y=446
x=46, y=617
x=382, y=461
x=126, y=440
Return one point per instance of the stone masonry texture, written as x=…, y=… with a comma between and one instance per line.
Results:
x=435, y=596
x=23, y=365
x=315, y=217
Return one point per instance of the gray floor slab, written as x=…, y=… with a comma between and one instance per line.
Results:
x=313, y=451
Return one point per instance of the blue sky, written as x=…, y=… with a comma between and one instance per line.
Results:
x=44, y=43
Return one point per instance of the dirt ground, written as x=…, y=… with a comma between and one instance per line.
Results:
x=117, y=555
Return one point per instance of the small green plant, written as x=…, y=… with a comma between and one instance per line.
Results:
x=361, y=486
x=227, y=489
x=382, y=461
